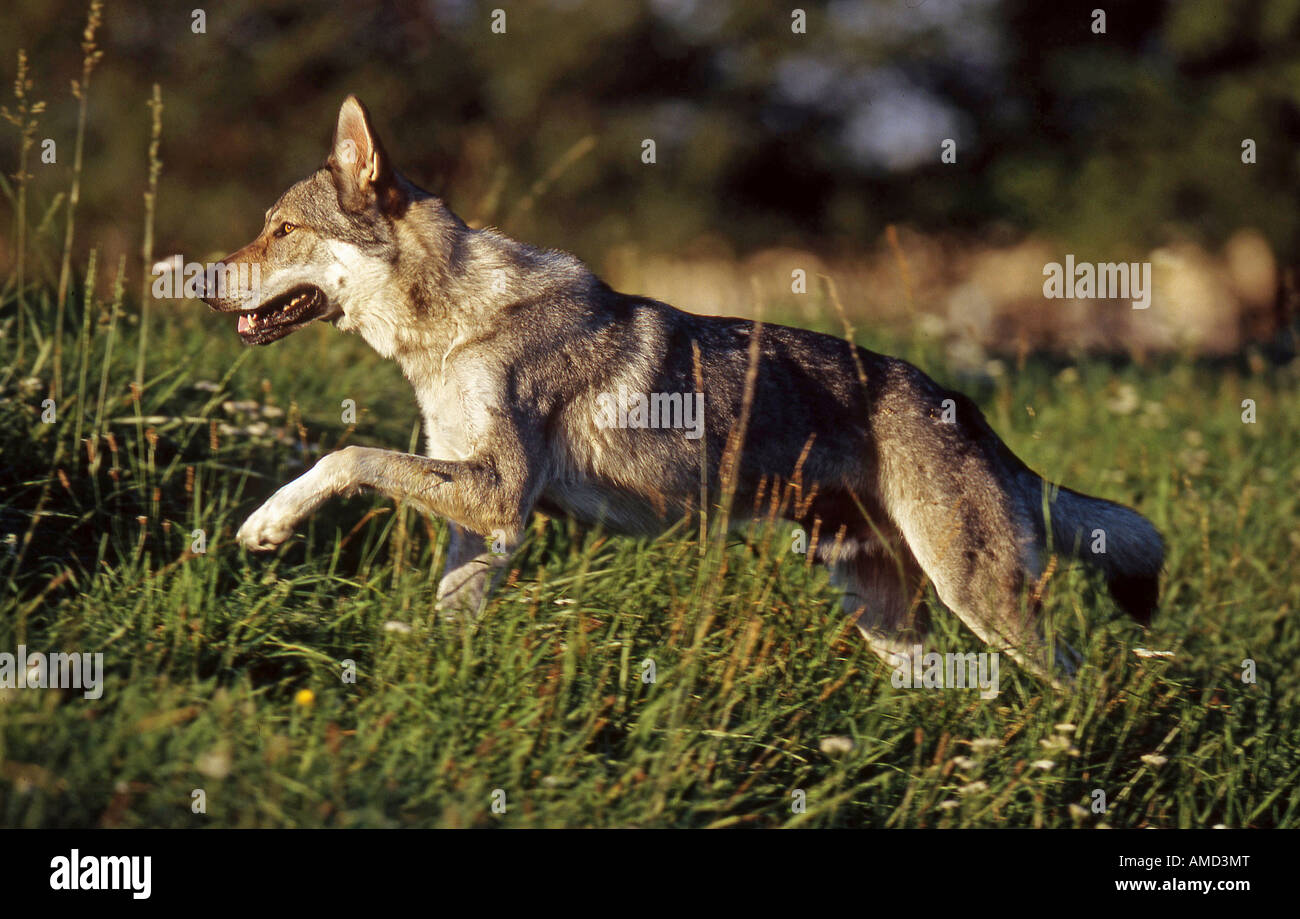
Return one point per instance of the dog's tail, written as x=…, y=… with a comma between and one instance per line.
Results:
x=981, y=523
x=1114, y=539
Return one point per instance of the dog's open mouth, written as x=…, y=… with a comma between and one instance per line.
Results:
x=281, y=315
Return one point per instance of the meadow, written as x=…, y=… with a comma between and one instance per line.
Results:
x=695, y=680
x=224, y=672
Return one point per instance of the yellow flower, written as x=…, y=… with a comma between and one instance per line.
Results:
x=304, y=697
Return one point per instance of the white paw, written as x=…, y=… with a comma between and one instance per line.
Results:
x=266, y=529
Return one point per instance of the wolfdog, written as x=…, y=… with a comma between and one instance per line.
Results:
x=517, y=356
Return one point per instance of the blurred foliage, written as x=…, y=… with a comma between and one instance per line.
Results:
x=1107, y=142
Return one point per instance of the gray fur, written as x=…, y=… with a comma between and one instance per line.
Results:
x=509, y=348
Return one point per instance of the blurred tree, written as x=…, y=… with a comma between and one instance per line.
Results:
x=1110, y=141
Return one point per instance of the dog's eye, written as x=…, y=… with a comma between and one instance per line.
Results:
x=286, y=228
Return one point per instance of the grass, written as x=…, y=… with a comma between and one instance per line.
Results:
x=207, y=654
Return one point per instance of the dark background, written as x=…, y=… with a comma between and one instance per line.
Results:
x=1107, y=143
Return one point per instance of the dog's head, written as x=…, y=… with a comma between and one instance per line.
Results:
x=328, y=246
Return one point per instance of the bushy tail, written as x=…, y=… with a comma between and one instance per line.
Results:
x=1114, y=539
x=972, y=515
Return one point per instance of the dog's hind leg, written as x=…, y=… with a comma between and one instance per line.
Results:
x=883, y=595
x=974, y=550
x=472, y=571
x=964, y=506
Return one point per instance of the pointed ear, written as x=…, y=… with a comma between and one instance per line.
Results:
x=362, y=172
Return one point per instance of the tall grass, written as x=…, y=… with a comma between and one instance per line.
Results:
x=24, y=118
x=91, y=56
x=146, y=245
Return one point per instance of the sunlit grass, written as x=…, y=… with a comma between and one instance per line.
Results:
x=210, y=656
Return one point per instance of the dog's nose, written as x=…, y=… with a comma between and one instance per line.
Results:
x=208, y=292
x=215, y=289
x=209, y=295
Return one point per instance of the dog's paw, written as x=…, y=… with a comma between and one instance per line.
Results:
x=265, y=530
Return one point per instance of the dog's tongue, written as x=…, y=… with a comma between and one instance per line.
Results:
x=243, y=324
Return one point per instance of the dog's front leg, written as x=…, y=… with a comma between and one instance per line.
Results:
x=474, y=566
x=483, y=496
x=273, y=523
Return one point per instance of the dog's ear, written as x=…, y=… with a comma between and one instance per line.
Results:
x=362, y=172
